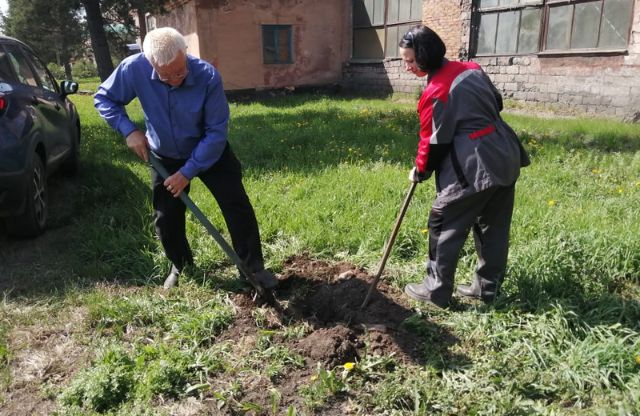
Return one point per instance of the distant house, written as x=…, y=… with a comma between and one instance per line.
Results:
x=581, y=53
x=261, y=44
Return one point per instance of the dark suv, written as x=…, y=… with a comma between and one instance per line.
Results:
x=39, y=133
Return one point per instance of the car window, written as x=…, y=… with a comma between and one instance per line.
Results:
x=6, y=74
x=21, y=66
x=47, y=82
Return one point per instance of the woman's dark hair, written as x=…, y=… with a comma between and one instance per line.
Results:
x=427, y=45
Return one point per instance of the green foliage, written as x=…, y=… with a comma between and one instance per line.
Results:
x=5, y=357
x=325, y=385
x=53, y=29
x=105, y=385
x=84, y=68
x=161, y=371
x=276, y=359
x=326, y=177
x=56, y=70
x=193, y=323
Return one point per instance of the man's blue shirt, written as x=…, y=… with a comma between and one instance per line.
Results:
x=186, y=122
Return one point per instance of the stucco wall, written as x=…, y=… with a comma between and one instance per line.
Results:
x=229, y=35
x=599, y=85
x=183, y=18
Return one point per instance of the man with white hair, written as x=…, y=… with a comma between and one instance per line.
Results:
x=186, y=116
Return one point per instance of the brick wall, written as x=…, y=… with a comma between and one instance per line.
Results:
x=598, y=85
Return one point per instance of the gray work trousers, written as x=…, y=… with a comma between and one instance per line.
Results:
x=489, y=213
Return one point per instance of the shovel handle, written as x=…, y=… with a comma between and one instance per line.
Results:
x=157, y=165
x=389, y=245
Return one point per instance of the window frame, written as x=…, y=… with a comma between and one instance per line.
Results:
x=15, y=51
x=36, y=66
x=276, y=28
x=544, y=6
x=385, y=25
x=13, y=77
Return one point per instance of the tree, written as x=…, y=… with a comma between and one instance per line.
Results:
x=56, y=27
x=114, y=19
x=99, y=44
x=52, y=29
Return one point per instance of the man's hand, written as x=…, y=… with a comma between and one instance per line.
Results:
x=176, y=183
x=137, y=142
x=415, y=176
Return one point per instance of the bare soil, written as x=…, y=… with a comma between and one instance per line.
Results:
x=327, y=298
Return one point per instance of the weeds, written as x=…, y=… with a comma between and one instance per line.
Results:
x=326, y=177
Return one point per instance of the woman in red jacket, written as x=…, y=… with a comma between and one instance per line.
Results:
x=476, y=158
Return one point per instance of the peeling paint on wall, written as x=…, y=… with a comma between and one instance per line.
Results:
x=229, y=35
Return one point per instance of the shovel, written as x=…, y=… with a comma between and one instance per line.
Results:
x=266, y=295
x=389, y=245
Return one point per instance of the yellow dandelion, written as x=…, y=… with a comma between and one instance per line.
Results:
x=551, y=202
x=638, y=359
x=349, y=366
x=596, y=171
x=424, y=230
x=313, y=378
x=620, y=190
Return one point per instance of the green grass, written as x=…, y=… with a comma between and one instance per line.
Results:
x=326, y=176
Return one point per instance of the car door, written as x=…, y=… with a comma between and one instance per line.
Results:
x=48, y=115
x=59, y=119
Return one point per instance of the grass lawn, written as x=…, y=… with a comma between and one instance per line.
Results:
x=84, y=328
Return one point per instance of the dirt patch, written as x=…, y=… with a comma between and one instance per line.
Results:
x=43, y=356
x=326, y=298
x=329, y=296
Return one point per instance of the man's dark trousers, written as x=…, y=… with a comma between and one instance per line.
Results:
x=224, y=181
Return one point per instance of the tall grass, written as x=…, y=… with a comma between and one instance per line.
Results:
x=326, y=176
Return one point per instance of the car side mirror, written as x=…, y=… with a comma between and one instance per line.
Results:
x=68, y=87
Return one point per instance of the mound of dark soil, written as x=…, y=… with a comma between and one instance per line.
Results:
x=327, y=297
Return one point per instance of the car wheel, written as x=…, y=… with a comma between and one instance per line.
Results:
x=34, y=219
x=70, y=165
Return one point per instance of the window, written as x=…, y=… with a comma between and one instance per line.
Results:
x=511, y=27
x=21, y=66
x=151, y=22
x=6, y=73
x=45, y=79
x=276, y=44
x=378, y=26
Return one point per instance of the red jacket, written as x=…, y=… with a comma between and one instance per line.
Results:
x=462, y=136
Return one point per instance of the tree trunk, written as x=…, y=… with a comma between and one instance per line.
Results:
x=142, y=24
x=101, y=52
x=67, y=71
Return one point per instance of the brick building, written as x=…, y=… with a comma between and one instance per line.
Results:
x=264, y=44
x=584, y=54
x=579, y=53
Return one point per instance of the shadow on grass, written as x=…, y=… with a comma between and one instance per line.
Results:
x=310, y=140
x=302, y=96
x=591, y=306
x=99, y=228
x=625, y=139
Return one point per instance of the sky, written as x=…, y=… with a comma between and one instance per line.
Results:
x=3, y=5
